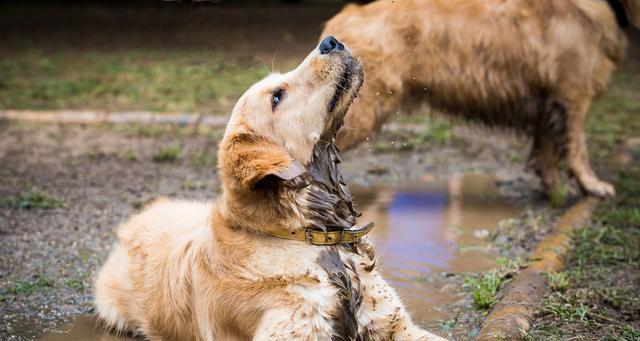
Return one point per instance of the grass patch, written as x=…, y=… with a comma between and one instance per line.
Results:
x=33, y=198
x=558, y=281
x=485, y=286
x=597, y=297
x=41, y=282
x=170, y=153
x=177, y=81
x=130, y=156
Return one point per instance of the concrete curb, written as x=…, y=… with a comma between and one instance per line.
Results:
x=97, y=117
x=511, y=318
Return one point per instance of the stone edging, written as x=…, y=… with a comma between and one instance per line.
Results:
x=512, y=316
x=97, y=117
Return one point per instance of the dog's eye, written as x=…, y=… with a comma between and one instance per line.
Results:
x=276, y=98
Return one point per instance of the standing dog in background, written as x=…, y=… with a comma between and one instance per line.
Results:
x=529, y=65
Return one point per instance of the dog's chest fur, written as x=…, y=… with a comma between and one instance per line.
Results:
x=329, y=206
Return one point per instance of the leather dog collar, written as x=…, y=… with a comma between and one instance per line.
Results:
x=315, y=236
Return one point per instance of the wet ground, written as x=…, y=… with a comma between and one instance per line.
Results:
x=432, y=219
x=435, y=227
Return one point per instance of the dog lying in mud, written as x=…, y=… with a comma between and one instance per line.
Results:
x=533, y=66
x=278, y=255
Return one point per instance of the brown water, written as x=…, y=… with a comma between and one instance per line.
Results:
x=423, y=229
x=85, y=328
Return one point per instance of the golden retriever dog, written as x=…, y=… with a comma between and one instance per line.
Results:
x=278, y=255
x=533, y=66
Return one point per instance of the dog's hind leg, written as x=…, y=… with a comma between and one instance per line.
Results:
x=577, y=153
x=547, y=148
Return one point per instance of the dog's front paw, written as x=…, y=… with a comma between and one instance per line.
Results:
x=599, y=188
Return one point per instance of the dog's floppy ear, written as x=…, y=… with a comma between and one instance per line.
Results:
x=249, y=158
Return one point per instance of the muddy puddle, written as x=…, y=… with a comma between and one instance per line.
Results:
x=426, y=231
x=85, y=328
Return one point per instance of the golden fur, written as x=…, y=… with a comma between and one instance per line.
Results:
x=206, y=271
x=532, y=66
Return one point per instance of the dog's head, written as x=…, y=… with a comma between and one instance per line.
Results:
x=276, y=124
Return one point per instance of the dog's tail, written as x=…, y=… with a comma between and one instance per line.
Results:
x=605, y=28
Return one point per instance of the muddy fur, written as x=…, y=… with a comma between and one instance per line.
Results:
x=344, y=277
x=329, y=200
x=529, y=66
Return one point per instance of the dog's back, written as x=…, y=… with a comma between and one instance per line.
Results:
x=485, y=59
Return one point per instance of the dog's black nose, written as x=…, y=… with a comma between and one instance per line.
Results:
x=329, y=44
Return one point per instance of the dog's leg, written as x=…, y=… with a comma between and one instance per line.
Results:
x=545, y=158
x=577, y=154
x=384, y=316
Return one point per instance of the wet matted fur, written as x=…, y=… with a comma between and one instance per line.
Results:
x=530, y=66
x=213, y=271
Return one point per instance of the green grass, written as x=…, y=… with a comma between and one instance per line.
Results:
x=33, y=198
x=130, y=156
x=485, y=286
x=170, y=153
x=176, y=81
x=559, y=281
x=28, y=287
x=614, y=116
x=597, y=297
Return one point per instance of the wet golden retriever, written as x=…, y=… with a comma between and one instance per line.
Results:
x=533, y=66
x=277, y=255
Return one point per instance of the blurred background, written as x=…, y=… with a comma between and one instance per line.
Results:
x=177, y=56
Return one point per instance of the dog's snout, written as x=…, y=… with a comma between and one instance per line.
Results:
x=329, y=44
